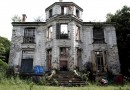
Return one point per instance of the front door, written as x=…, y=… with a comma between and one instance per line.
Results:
x=64, y=53
x=63, y=65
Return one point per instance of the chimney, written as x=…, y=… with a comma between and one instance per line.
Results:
x=24, y=17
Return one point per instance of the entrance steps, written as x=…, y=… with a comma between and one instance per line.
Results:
x=68, y=78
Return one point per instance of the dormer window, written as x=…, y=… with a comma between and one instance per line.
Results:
x=50, y=13
x=77, y=12
x=63, y=10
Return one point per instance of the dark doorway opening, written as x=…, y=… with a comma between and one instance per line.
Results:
x=27, y=66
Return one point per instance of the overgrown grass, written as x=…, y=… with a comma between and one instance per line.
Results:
x=19, y=84
x=41, y=87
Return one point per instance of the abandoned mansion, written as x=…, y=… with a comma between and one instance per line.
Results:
x=64, y=42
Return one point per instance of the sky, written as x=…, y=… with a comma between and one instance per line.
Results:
x=93, y=10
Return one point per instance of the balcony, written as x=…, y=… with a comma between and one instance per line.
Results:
x=29, y=39
x=64, y=36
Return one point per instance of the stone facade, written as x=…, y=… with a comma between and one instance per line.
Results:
x=40, y=43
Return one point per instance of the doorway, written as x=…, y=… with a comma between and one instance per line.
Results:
x=27, y=66
x=64, y=53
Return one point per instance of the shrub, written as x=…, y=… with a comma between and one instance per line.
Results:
x=3, y=68
x=3, y=65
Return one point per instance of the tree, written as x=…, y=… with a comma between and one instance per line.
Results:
x=4, y=49
x=16, y=18
x=39, y=19
x=122, y=19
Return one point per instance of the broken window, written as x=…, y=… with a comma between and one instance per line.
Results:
x=98, y=34
x=29, y=35
x=49, y=33
x=63, y=10
x=62, y=31
x=100, y=61
x=77, y=13
x=50, y=13
x=77, y=33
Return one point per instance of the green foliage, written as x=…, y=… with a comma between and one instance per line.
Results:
x=25, y=86
x=3, y=65
x=4, y=48
x=122, y=19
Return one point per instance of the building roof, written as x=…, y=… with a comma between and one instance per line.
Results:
x=27, y=23
x=63, y=4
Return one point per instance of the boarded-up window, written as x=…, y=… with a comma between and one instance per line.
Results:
x=29, y=35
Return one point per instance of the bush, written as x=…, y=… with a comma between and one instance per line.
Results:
x=3, y=65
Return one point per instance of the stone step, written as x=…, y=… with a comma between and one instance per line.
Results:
x=68, y=78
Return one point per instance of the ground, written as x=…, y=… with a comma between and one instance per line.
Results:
x=41, y=87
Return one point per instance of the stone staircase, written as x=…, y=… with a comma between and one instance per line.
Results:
x=68, y=78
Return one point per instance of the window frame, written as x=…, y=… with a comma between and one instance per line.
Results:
x=77, y=33
x=64, y=10
x=98, y=36
x=77, y=13
x=100, y=65
x=59, y=34
x=29, y=35
x=50, y=13
x=49, y=32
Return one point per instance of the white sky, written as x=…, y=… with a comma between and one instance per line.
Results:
x=94, y=10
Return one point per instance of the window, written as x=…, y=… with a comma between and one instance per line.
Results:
x=98, y=35
x=64, y=51
x=49, y=58
x=49, y=33
x=29, y=35
x=27, y=54
x=100, y=60
x=77, y=32
x=62, y=31
x=63, y=10
x=50, y=13
x=77, y=12
x=79, y=58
